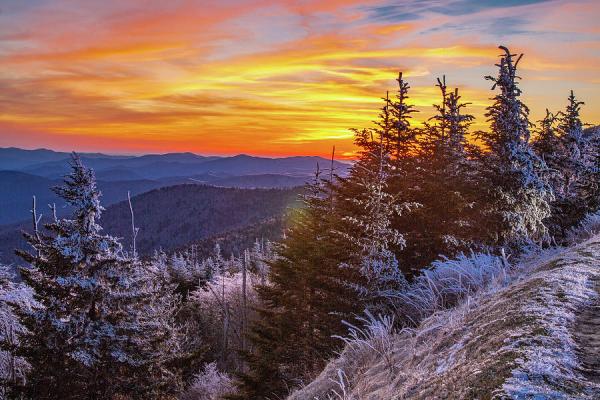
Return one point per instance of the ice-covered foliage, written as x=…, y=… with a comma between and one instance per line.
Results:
x=219, y=311
x=13, y=368
x=587, y=228
x=446, y=183
x=375, y=335
x=447, y=283
x=209, y=384
x=549, y=359
x=186, y=270
x=569, y=154
x=226, y=285
x=518, y=194
x=223, y=307
x=571, y=129
x=79, y=238
x=448, y=133
x=370, y=230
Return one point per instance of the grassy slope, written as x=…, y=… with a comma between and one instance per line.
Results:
x=531, y=338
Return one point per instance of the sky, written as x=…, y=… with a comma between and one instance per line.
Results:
x=272, y=78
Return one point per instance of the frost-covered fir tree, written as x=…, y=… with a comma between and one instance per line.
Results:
x=402, y=135
x=368, y=209
x=517, y=193
x=572, y=151
x=590, y=188
x=104, y=326
x=571, y=128
x=566, y=150
x=391, y=144
x=546, y=140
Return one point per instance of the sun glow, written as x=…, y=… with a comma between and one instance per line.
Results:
x=266, y=78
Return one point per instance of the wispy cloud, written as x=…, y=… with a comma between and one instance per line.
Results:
x=269, y=77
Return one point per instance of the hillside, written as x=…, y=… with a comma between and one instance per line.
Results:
x=261, y=181
x=536, y=337
x=174, y=217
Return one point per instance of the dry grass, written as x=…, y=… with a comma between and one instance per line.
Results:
x=504, y=341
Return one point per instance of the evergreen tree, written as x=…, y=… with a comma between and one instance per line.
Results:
x=446, y=223
x=567, y=153
x=394, y=143
x=302, y=304
x=517, y=194
x=104, y=327
x=546, y=141
x=572, y=152
x=367, y=209
x=402, y=136
x=590, y=188
x=572, y=163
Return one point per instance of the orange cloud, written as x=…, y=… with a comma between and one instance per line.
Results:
x=263, y=77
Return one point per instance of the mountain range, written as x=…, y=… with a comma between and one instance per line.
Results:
x=54, y=165
x=179, y=198
x=27, y=173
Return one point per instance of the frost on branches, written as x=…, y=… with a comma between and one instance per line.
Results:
x=371, y=230
x=569, y=154
x=209, y=384
x=104, y=326
x=519, y=194
x=13, y=368
x=447, y=183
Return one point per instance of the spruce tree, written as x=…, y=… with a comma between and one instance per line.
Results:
x=367, y=208
x=104, y=327
x=566, y=151
x=402, y=136
x=13, y=294
x=517, y=194
x=590, y=187
x=546, y=140
x=572, y=151
x=446, y=223
x=302, y=304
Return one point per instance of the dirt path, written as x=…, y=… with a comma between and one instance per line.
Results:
x=587, y=337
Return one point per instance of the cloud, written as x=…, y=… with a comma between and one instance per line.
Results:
x=269, y=77
x=417, y=9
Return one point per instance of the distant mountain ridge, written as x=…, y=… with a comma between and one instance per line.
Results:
x=53, y=165
x=18, y=188
x=27, y=173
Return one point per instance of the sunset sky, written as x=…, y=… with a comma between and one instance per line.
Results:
x=269, y=77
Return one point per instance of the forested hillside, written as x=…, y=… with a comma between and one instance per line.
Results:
x=172, y=217
x=176, y=217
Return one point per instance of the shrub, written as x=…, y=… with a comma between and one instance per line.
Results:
x=209, y=384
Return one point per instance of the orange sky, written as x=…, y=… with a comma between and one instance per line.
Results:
x=269, y=77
